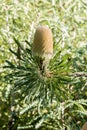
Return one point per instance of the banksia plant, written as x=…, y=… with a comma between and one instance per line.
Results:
x=42, y=84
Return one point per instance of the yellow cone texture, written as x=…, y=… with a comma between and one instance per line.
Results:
x=84, y=126
x=43, y=42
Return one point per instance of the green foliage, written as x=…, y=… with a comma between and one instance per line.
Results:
x=47, y=101
x=43, y=102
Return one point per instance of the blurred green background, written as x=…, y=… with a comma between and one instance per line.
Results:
x=68, y=21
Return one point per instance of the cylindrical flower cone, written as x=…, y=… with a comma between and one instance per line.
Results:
x=84, y=126
x=42, y=46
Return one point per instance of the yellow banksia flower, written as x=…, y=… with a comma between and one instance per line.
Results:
x=42, y=46
x=84, y=126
